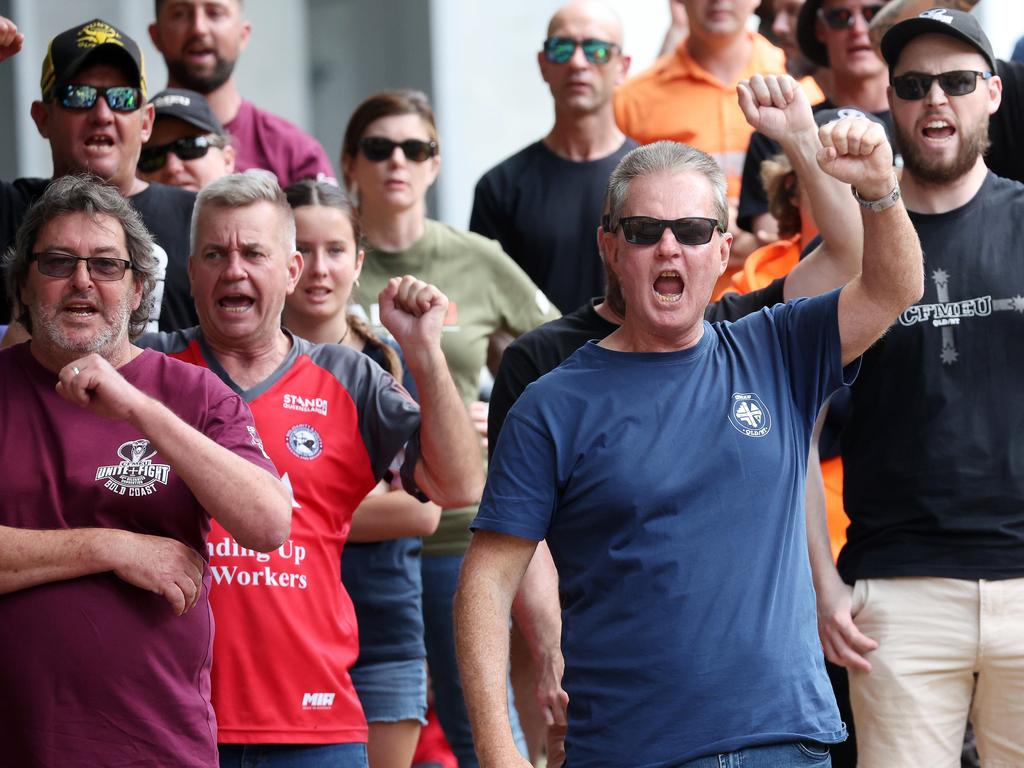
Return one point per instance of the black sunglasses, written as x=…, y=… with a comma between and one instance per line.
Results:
x=377, y=149
x=120, y=98
x=559, y=50
x=691, y=230
x=56, y=264
x=188, y=148
x=957, y=82
x=842, y=18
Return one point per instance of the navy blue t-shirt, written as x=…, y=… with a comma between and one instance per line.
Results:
x=670, y=489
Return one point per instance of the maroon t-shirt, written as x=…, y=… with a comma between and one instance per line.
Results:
x=264, y=140
x=95, y=671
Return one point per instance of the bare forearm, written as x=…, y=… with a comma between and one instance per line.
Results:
x=893, y=268
x=31, y=557
x=247, y=500
x=536, y=608
x=482, y=608
x=450, y=470
x=393, y=515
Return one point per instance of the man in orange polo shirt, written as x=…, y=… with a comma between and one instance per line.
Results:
x=690, y=94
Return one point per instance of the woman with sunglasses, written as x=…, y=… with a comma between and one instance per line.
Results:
x=381, y=563
x=390, y=157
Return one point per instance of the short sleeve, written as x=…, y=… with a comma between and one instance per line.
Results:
x=229, y=423
x=521, y=305
x=521, y=492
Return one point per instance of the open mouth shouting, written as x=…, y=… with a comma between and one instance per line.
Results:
x=235, y=303
x=79, y=309
x=668, y=287
x=938, y=129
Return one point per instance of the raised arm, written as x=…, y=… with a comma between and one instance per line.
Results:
x=776, y=106
x=892, y=275
x=450, y=468
x=11, y=39
x=491, y=574
x=246, y=499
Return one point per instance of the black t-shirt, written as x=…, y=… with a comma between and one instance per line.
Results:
x=545, y=211
x=753, y=198
x=545, y=348
x=167, y=213
x=1004, y=157
x=933, y=453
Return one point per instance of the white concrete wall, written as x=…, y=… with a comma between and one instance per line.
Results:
x=489, y=98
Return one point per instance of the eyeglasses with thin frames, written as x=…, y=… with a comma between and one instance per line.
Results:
x=57, y=264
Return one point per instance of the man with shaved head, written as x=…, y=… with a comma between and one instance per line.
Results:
x=542, y=202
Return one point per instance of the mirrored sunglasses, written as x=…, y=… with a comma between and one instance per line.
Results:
x=120, y=98
x=843, y=18
x=958, y=82
x=691, y=230
x=377, y=149
x=559, y=50
x=56, y=264
x=188, y=148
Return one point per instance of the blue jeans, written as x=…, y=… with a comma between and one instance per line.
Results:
x=392, y=691
x=440, y=577
x=790, y=755
x=293, y=755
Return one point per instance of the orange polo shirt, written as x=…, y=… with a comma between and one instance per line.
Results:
x=678, y=99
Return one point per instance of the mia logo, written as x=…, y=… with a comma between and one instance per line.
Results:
x=318, y=700
x=749, y=414
x=136, y=475
x=304, y=442
x=98, y=33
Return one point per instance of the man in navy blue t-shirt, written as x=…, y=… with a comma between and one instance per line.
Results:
x=665, y=467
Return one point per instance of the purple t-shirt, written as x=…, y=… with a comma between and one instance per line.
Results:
x=264, y=140
x=95, y=671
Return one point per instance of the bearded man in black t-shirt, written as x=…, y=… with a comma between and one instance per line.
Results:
x=932, y=628
x=93, y=111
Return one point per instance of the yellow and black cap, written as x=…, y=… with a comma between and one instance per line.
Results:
x=71, y=49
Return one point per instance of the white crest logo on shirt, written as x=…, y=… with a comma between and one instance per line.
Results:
x=136, y=474
x=749, y=415
x=304, y=442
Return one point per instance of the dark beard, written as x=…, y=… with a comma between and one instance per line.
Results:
x=203, y=84
x=928, y=171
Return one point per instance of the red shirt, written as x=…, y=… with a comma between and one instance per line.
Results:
x=332, y=421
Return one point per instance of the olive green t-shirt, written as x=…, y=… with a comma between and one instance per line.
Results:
x=487, y=291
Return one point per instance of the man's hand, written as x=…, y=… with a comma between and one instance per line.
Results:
x=554, y=702
x=842, y=642
x=478, y=413
x=95, y=384
x=776, y=106
x=11, y=39
x=855, y=150
x=413, y=311
x=160, y=565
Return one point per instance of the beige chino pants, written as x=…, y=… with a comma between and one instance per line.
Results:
x=948, y=649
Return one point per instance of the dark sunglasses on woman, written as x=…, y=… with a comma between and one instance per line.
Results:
x=843, y=18
x=377, y=149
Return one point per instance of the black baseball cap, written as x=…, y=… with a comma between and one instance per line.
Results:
x=189, y=107
x=938, y=21
x=72, y=48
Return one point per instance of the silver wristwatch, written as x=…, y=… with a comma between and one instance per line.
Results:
x=882, y=203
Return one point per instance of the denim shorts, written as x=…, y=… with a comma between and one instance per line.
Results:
x=392, y=691
x=293, y=755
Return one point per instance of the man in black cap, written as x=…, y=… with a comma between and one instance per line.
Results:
x=933, y=455
x=832, y=34
x=188, y=147
x=93, y=111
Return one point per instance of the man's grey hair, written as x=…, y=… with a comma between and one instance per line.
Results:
x=88, y=194
x=238, y=190
x=664, y=157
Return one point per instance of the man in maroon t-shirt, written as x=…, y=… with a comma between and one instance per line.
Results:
x=112, y=462
x=201, y=41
